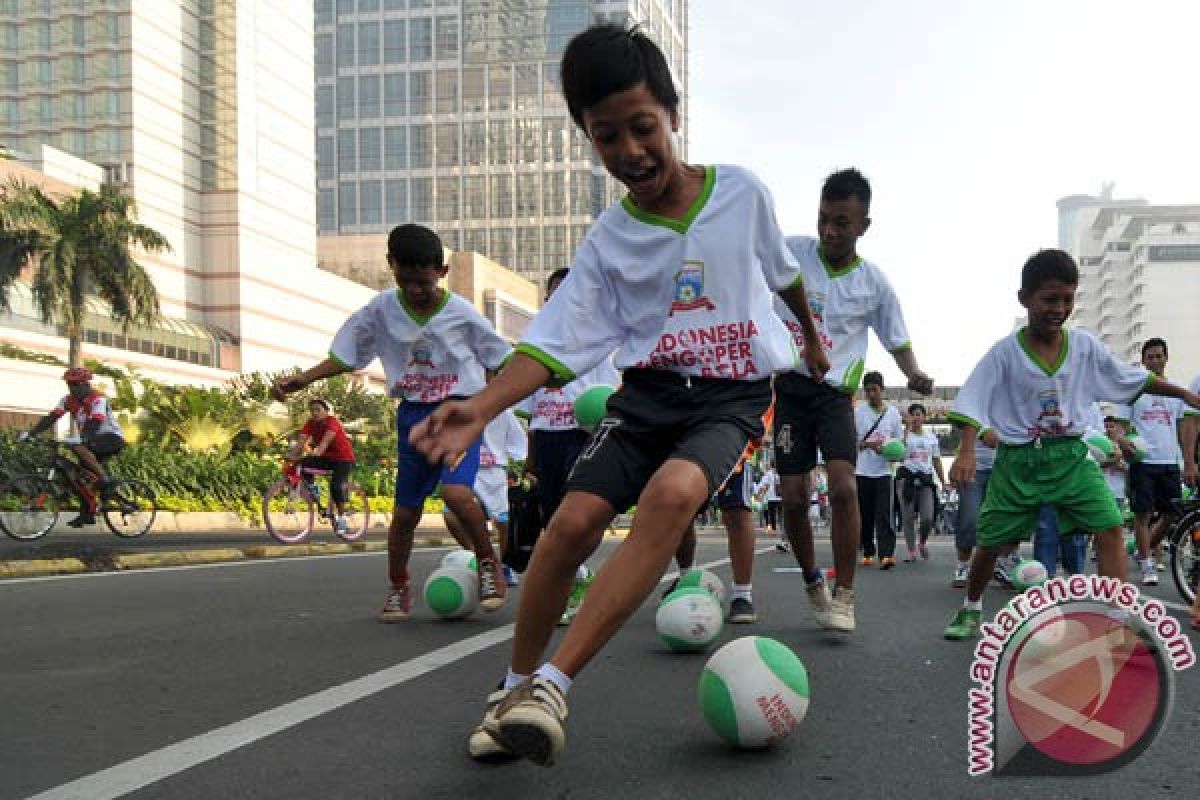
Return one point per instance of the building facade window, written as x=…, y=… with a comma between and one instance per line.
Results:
x=368, y=44
x=395, y=147
x=394, y=45
x=420, y=94
x=420, y=39
x=396, y=197
x=347, y=204
x=420, y=147
x=370, y=203
x=395, y=94
x=370, y=151
x=368, y=97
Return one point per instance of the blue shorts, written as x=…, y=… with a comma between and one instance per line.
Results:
x=416, y=478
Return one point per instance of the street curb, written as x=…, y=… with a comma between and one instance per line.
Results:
x=39, y=567
x=177, y=558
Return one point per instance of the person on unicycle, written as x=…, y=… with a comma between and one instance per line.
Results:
x=331, y=450
x=99, y=437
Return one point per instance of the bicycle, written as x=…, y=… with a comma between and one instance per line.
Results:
x=30, y=504
x=1183, y=543
x=291, y=505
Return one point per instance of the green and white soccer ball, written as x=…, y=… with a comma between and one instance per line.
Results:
x=459, y=558
x=689, y=620
x=452, y=592
x=893, y=450
x=703, y=579
x=753, y=692
x=1100, y=448
x=1028, y=573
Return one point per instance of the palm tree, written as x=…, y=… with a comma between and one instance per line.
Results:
x=77, y=245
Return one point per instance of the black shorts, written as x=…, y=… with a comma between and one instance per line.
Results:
x=657, y=415
x=737, y=492
x=1153, y=487
x=808, y=416
x=104, y=445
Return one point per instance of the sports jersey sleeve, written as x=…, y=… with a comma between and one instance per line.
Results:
x=59, y=409
x=970, y=407
x=524, y=409
x=888, y=319
x=577, y=328
x=1114, y=379
x=516, y=443
x=779, y=265
x=354, y=345
x=491, y=350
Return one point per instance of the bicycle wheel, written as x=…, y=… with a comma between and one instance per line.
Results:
x=29, y=507
x=129, y=508
x=1185, y=554
x=288, y=512
x=358, y=513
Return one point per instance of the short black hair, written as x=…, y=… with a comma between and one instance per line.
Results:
x=918, y=407
x=317, y=401
x=558, y=275
x=847, y=183
x=1048, y=265
x=415, y=246
x=1155, y=342
x=606, y=59
x=873, y=379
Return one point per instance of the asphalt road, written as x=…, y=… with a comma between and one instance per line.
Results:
x=271, y=679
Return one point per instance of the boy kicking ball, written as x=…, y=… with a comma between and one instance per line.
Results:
x=678, y=278
x=1034, y=389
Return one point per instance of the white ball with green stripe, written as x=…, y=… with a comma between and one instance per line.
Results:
x=459, y=558
x=452, y=592
x=689, y=619
x=754, y=692
x=697, y=578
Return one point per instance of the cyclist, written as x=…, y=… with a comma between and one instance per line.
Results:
x=331, y=450
x=100, y=437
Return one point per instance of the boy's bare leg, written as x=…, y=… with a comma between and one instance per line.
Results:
x=795, y=490
x=573, y=534
x=739, y=526
x=846, y=528
x=685, y=554
x=983, y=564
x=1111, y=560
x=400, y=543
x=456, y=530
x=88, y=460
x=666, y=506
x=461, y=502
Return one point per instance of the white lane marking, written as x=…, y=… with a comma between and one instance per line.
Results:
x=158, y=765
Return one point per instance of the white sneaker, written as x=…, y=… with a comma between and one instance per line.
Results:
x=341, y=525
x=960, y=575
x=1149, y=573
x=511, y=578
x=818, y=598
x=841, y=610
x=484, y=746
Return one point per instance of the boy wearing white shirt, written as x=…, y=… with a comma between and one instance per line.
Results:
x=875, y=422
x=1154, y=480
x=433, y=346
x=1034, y=388
x=678, y=279
x=847, y=295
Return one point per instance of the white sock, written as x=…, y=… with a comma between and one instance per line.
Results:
x=962, y=564
x=512, y=679
x=582, y=572
x=555, y=676
x=973, y=605
x=743, y=590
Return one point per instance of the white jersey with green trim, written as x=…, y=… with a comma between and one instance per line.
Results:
x=1022, y=398
x=844, y=303
x=1156, y=419
x=690, y=296
x=425, y=359
x=920, y=449
x=553, y=408
x=503, y=440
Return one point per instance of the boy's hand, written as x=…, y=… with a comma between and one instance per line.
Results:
x=1191, y=398
x=920, y=383
x=989, y=439
x=962, y=472
x=285, y=386
x=445, y=435
x=816, y=359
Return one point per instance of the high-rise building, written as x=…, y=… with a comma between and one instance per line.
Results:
x=448, y=113
x=202, y=110
x=1139, y=269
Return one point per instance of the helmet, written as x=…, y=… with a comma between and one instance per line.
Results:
x=77, y=375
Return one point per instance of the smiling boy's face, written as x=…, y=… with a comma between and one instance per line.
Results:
x=419, y=285
x=1049, y=305
x=631, y=132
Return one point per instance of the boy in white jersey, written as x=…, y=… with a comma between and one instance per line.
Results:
x=875, y=422
x=1034, y=389
x=847, y=295
x=1154, y=480
x=556, y=440
x=434, y=346
x=917, y=490
x=678, y=279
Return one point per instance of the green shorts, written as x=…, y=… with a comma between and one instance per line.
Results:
x=1056, y=473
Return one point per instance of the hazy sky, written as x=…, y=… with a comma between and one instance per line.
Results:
x=969, y=117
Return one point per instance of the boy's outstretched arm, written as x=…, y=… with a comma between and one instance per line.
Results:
x=815, y=356
x=918, y=381
x=294, y=383
x=446, y=434
x=962, y=471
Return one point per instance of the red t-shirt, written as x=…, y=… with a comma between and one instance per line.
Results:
x=340, y=448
